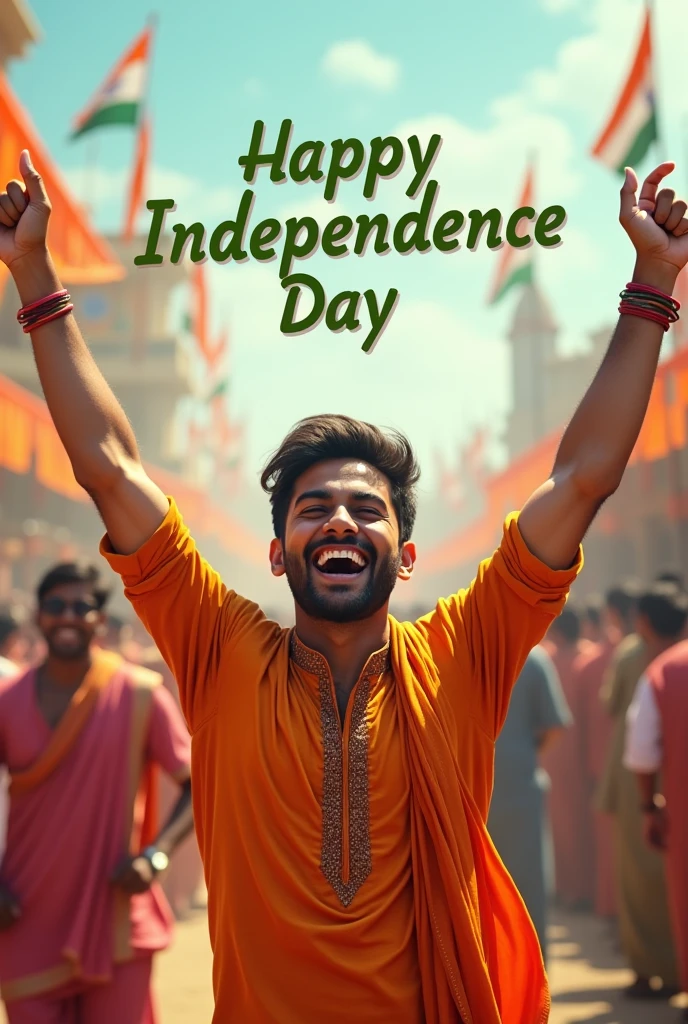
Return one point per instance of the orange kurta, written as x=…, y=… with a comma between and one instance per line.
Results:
x=306, y=831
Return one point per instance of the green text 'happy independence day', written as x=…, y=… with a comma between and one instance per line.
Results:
x=347, y=159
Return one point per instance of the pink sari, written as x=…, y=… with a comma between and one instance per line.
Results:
x=76, y=810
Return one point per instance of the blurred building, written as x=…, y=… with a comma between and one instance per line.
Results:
x=18, y=30
x=127, y=324
x=546, y=386
x=126, y=315
x=640, y=530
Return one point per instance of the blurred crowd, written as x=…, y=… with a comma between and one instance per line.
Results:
x=589, y=806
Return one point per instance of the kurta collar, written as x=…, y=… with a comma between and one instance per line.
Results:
x=316, y=664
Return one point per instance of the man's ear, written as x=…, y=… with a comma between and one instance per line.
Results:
x=408, y=558
x=276, y=558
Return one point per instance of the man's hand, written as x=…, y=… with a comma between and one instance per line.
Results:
x=656, y=828
x=24, y=215
x=134, y=875
x=9, y=909
x=656, y=224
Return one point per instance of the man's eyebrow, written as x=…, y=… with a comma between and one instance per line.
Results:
x=369, y=496
x=319, y=495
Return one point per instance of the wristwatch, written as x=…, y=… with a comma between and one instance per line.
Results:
x=158, y=860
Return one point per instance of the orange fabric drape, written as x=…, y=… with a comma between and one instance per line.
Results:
x=16, y=437
x=53, y=468
x=65, y=735
x=28, y=438
x=81, y=256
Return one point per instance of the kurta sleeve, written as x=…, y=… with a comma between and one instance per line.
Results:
x=481, y=637
x=190, y=614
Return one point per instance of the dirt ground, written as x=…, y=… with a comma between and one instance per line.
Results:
x=586, y=977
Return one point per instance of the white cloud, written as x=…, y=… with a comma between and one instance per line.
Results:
x=355, y=62
x=95, y=187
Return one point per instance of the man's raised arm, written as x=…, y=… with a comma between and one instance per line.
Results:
x=600, y=438
x=90, y=421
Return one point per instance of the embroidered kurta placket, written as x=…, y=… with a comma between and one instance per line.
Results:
x=345, y=858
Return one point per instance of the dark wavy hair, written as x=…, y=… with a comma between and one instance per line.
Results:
x=74, y=572
x=623, y=599
x=567, y=624
x=320, y=438
x=665, y=606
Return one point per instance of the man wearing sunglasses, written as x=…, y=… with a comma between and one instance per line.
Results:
x=82, y=734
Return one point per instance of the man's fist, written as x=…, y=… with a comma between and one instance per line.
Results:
x=9, y=909
x=655, y=222
x=24, y=214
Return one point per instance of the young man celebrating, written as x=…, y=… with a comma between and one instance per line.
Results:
x=80, y=915
x=343, y=769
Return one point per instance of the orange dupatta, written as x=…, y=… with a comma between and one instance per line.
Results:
x=70, y=726
x=479, y=956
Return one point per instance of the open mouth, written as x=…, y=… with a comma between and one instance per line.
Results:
x=66, y=636
x=340, y=561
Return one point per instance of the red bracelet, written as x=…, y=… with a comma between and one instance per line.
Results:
x=22, y=314
x=635, y=286
x=34, y=324
x=646, y=314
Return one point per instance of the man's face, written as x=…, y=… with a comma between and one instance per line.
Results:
x=68, y=617
x=341, y=552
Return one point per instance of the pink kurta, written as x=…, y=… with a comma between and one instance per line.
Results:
x=668, y=677
x=569, y=803
x=67, y=834
x=599, y=727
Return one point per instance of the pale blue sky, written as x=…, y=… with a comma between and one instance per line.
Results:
x=497, y=79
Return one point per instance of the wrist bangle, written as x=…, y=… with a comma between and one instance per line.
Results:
x=43, y=311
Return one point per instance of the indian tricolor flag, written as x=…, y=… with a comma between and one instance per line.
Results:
x=632, y=128
x=515, y=265
x=119, y=99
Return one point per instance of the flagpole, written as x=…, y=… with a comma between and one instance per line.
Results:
x=139, y=340
x=90, y=198
x=660, y=141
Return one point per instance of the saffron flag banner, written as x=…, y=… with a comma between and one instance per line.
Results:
x=81, y=256
x=119, y=98
x=632, y=127
x=515, y=265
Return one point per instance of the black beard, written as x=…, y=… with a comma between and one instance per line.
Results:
x=71, y=653
x=340, y=606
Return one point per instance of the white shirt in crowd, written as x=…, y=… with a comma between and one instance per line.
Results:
x=643, y=750
x=7, y=669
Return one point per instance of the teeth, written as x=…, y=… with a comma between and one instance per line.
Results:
x=353, y=555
